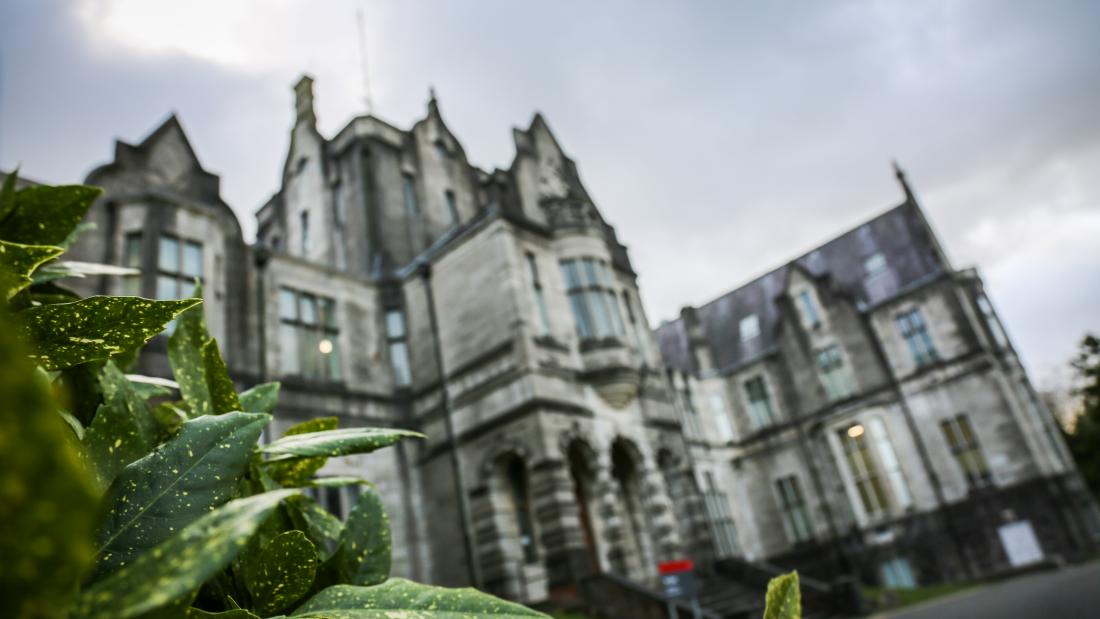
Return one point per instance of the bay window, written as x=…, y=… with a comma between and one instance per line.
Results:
x=592, y=299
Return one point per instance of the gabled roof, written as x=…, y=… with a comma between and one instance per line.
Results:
x=899, y=234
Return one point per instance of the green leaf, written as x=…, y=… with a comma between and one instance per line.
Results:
x=284, y=573
x=179, y=564
x=66, y=334
x=334, y=443
x=50, y=294
x=123, y=429
x=182, y=479
x=223, y=395
x=73, y=422
x=147, y=389
x=260, y=399
x=7, y=194
x=783, y=600
x=18, y=262
x=322, y=528
x=299, y=472
x=236, y=613
x=185, y=355
x=47, y=501
x=363, y=557
x=46, y=215
x=335, y=482
x=59, y=270
x=81, y=228
x=398, y=598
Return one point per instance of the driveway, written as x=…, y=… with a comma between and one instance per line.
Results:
x=1068, y=593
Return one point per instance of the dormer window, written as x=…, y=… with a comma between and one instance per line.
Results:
x=874, y=265
x=808, y=308
x=441, y=149
x=749, y=327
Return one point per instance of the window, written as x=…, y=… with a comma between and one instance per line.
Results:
x=635, y=327
x=916, y=336
x=399, y=349
x=749, y=327
x=720, y=519
x=408, y=185
x=131, y=258
x=691, y=416
x=760, y=405
x=721, y=417
x=179, y=264
x=595, y=307
x=796, y=521
x=991, y=321
x=834, y=376
x=521, y=507
x=865, y=473
x=964, y=446
x=540, y=298
x=452, y=207
x=896, y=574
x=308, y=336
x=305, y=232
x=441, y=150
x=806, y=305
x=884, y=449
x=874, y=265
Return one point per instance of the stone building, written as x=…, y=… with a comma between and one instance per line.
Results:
x=863, y=406
x=859, y=406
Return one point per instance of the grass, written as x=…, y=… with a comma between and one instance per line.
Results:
x=897, y=598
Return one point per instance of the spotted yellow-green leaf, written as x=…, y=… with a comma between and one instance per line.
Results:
x=18, y=262
x=46, y=215
x=783, y=600
x=66, y=334
x=236, y=613
x=180, y=564
x=284, y=572
x=47, y=500
x=185, y=355
x=363, y=555
x=334, y=443
x=123, y=429
x=223, y=395
x=260, y=399
x=322, y=528
x=160, y=494
x=398, y=598
x=298, y=472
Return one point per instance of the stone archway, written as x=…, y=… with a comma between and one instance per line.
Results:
x=628, y=474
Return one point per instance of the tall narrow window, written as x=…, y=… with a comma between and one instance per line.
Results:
x=305, y=233
x=594, y=304
x=749, y=327
x=399, y=348
x=808, y=308
x=834, y=376
x=691, y=415
x=865, y=473
x=635, y=324
x=179, y=264
x=968, y=454
x=131, y=258
x=721, y=417
x=308, y=336
x=720, y=519
x=991, y=321
x=521, y=505
x=796, y=521
x=408, y=185
x=915, y=332
x=760, y=405
x=540, y=298
x=452, y=206
x=884, y=448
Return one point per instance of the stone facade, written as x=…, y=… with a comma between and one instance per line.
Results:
x=392, y=283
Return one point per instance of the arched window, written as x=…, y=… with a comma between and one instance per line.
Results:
x=521, y=505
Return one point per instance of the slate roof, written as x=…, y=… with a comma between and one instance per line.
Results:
x=900, y=235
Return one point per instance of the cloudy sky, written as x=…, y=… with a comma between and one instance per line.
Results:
x=721, y=138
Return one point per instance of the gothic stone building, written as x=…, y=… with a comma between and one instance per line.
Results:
x=861, y=405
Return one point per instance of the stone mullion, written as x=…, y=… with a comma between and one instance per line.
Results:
x=561, y=536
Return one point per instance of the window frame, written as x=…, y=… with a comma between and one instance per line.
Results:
x=592, y=298
x=966, y=450
x=720, y=519
x=752, y=321
x=811, y=317
x=914, y=331
x=180, y=276
x=322, y=326
x=398, y=341
x=797, y=522
x=867, y=478
x=543, y=324
x=835, y=378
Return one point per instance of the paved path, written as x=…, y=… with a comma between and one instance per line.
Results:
x=1070, y=593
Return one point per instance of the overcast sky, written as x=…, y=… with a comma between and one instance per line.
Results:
x=721, y=138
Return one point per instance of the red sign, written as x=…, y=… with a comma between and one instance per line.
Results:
x=675, y=567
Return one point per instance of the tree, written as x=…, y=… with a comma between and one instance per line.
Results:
x=1084, y=439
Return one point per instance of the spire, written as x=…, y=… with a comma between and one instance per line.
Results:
x=433, y=103
x=303, y=100
x=909, y=197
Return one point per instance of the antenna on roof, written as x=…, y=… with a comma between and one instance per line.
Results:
x=368, y=104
